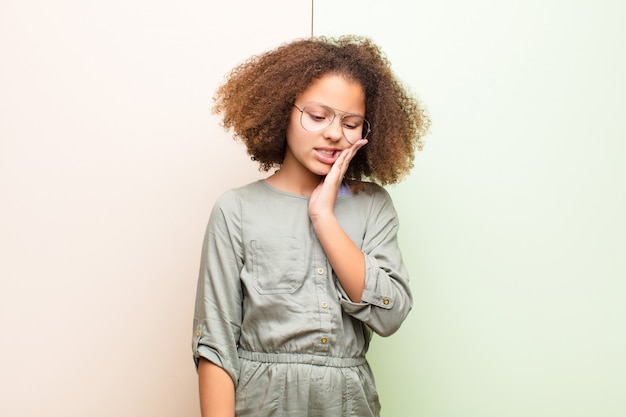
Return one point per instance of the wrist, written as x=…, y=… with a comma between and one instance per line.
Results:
x=320, y=220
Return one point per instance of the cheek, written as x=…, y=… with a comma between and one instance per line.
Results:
x=292, y=127
x=296, y=134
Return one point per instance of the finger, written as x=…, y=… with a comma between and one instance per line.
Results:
x=359, y=144
x=356, y=146
x=350, y=152
x=343, y=161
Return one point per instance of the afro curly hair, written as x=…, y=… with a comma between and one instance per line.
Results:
x=257, y=96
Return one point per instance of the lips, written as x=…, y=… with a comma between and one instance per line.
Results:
x=327, y=156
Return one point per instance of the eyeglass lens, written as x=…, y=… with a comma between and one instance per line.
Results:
x=316, y=117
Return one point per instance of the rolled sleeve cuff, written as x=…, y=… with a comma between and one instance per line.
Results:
x=373, y=293
x=201, y=349
x=368, y=298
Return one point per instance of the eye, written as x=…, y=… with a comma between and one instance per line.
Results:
x=318, y=114
x=317, y=117
x=352, y=122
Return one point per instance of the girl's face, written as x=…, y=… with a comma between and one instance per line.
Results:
x=315, y=152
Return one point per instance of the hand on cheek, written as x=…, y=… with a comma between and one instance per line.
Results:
x=323, y=198
x=340, y=166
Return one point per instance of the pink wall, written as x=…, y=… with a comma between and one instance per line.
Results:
x=109, y=164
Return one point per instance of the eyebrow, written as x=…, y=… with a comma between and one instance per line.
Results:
x=336, y=110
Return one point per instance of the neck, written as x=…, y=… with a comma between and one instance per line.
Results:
x=294, y=183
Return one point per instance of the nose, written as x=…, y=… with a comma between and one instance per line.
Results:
x=334, y=131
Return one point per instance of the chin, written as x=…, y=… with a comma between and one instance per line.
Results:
x=320, y=171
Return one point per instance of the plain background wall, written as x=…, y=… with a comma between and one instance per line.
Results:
x=512, y=222
x=109, y=165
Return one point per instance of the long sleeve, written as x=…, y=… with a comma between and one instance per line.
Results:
x=218, y=311
x=387, y=298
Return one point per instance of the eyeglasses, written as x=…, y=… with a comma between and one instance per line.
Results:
x=316, y=117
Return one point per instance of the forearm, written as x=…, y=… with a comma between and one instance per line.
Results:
x=344, y=256
x=217, y=392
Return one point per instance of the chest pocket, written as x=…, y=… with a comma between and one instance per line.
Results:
x=278, y=265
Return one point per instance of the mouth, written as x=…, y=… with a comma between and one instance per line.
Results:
x=327, y=156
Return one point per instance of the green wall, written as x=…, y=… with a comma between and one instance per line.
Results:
x=513, y=219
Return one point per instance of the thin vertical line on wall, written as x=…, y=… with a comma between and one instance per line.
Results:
x=312, y=14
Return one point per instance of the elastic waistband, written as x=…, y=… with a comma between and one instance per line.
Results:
x=303, y=358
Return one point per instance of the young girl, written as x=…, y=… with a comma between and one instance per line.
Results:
x=298, y=269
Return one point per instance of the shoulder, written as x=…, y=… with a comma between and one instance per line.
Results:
x=231, y=202
x=366, y=189
x=242, y=193
x=372, y=198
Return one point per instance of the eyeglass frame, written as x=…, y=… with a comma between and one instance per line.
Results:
x=301, y=110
